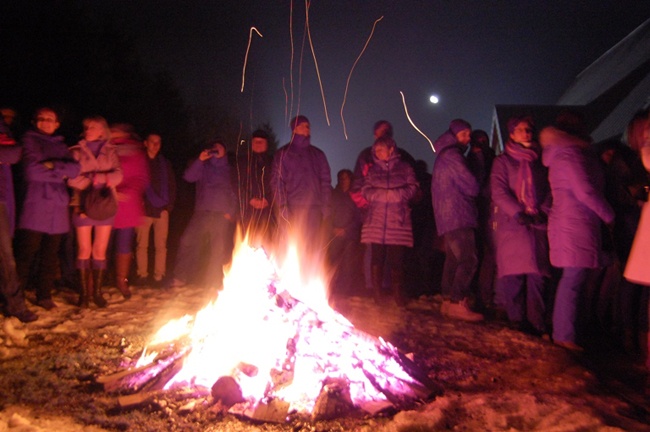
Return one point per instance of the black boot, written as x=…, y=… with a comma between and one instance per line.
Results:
x=84, y=289
x=98, y=277
x=377, y=275
x=396, y=287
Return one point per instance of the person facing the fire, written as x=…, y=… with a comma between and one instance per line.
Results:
x=302, y=185
x=212, y=219
x=521, y=198
x=454, y=189
x=388, y=187
x=253, y=180
x=45, y=218
x=158, y=203
x=100, y=167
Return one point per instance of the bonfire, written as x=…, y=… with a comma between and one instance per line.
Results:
x=270, y=347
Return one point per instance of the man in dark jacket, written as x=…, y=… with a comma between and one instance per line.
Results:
x=454, y=189
x=212, y=219
x=302, y=185
x=253, y=186
x=158, y=202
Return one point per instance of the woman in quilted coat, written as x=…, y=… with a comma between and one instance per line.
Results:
x=388, y=187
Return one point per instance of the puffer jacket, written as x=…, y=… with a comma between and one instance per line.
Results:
x=301, y=176
x=520, y=249
x=579, y=206
x=454, y=187
x=45, y=208
x=388, y=187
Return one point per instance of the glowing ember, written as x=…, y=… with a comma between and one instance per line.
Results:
x=278, y=339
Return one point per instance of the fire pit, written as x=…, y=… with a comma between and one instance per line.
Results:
x=269, y=348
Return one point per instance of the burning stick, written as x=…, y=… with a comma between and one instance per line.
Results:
x=413, y=124
x=345, y=95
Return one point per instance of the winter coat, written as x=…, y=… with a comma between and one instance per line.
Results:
x=454, y=187
x=104, y=169
x=130, y=191
x=9, y=155
x=45, y=208
x=161, y=192
x=253, y=180
x=214, y=190
x=388, y=187
x=301, y=177
x=579, y=206
x=520, y=249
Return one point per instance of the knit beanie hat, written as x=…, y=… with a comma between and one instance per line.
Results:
x=458, y=125
x=297, y=120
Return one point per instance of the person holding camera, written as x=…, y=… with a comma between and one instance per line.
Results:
x=212, y=219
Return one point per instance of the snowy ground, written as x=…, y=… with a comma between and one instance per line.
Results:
x=493, y=378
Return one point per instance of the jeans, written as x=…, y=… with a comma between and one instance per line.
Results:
x=523, y=297
x=208, y=226
x=160, y=228
x=565, y=311
x=461, y=262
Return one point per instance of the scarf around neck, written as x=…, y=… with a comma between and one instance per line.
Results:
x=524, y=187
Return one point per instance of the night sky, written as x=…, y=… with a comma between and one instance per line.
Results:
x=472, y=54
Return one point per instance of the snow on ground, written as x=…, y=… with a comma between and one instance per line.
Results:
x=493, y=378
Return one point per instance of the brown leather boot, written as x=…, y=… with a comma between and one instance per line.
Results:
x=122, y=266
x=95, y=288
x=84, y=295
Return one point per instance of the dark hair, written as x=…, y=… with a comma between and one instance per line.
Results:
x=46, y=108
x=572, y=122
x=344, y=171
x=380, y=123
x=260, y=133
x=515, y=120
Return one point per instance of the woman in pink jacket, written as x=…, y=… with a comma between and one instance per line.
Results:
x=130, y=199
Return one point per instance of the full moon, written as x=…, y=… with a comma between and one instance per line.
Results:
x=434, y=99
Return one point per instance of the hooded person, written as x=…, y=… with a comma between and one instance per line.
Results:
x=454, y=189
x=388, y=187
x=302, y=185
x=575, y=220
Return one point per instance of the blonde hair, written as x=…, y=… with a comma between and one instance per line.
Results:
x=102, y=121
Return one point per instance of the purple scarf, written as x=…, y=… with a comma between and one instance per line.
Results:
x=525, y=189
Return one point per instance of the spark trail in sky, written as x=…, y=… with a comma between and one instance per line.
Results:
x=347, y=84
x=313, y=53
x=413, y=124
x=250, y=39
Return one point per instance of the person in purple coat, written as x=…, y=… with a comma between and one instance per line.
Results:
x=454, y=189
x=388, y=187
x=212, y=220
x=10, y=289
x=521, y=197
x=575, y=220
x=45, y=218
x=302, y=185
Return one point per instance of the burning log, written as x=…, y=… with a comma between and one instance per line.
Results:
x=151, y=376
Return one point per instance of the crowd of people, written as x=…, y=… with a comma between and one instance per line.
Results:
x=539, y=234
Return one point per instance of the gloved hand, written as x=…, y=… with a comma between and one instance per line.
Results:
x=524, y=219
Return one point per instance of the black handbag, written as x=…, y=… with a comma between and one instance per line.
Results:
x=99, y=203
